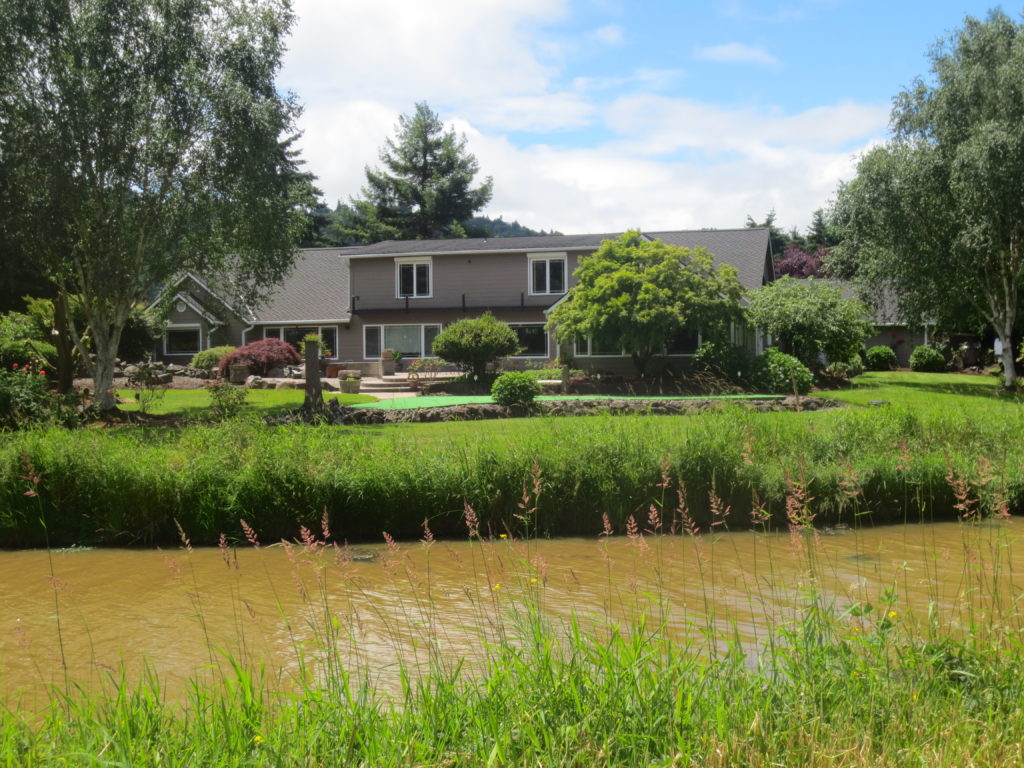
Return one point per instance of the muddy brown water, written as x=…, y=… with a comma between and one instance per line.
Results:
x=180, y=613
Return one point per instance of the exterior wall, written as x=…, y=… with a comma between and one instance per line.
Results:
x=350, y=338
x=186, y=319
x=900, y=338
x=480, y=281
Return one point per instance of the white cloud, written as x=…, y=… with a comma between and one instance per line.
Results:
x=640, y=159
x=609, y=34
x=735, y=53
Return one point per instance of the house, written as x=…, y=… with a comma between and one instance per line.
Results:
x=398, y=295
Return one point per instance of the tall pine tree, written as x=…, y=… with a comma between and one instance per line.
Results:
x=425, y=188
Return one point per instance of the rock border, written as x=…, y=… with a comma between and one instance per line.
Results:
x=333, y=413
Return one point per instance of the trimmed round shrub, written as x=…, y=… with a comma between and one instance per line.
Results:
x=725, y=361
x=207, y=359
x=475, y=342
x=782, y=374
x=927, y=359
x=880, y=358
x=261, y=356
x=515, y=388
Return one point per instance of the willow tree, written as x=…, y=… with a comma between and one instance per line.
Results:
x=638, y=294
x=937, y=214
x=143, y=138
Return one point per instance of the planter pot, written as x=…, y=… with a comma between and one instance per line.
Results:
x=387, y=367
x=349, y=387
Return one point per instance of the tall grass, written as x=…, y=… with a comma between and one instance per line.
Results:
x=825, y=684
x=128, y=486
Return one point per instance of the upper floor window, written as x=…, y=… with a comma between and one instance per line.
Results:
x=413, y=278
x=547, y=274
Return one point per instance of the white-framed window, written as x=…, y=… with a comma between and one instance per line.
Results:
x=547, y=274
x=414, y=278
x=294, y=335
x=410, y=340
x=533, y=338
x=183, y=339
x=589, y=347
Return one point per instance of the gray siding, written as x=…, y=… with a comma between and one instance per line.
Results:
x=481, y=280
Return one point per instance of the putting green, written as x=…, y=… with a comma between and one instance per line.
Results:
x=440, y=401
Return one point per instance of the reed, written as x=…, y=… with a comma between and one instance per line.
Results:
x=129, y=486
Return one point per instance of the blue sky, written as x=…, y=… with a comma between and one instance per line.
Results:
x=597, y=115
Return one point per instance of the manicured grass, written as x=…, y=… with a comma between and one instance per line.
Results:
x=929, y=391
x=438, y=401
x=195, y=403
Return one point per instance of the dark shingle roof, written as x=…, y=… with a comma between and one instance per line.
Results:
x=744, y=249
x=316, y=289
x=480, y=245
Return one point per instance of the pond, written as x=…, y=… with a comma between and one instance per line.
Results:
x=391, y=606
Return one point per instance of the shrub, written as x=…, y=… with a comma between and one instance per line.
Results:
x=781, y=374
x=208, y=359
x=725, y=361
x=855, y=367
x=927, y=359
x=22, y=341
x=515, y=388
x=25, y=402
x=475, y=342
x=226, y=400
x=261, y=356
x=880, y=358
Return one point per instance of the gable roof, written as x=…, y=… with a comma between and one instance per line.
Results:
x=746, y=249
x=316, y=290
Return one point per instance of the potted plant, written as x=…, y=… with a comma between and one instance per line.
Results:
x=387, y=362
x=349, y=386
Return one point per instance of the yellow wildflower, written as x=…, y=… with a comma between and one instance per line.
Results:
x=257, y=739
x=893, y=614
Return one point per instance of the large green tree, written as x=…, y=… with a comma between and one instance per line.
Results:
x=810, y=319
x=937, y=214
x=425, y=188
x=141, y=138
x=639, y=294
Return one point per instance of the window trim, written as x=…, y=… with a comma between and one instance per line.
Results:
x=319, y=330
x=590, y=345
x=547, y=257
x=547, y=342
x=700, y=340
x=184, y=327
x=423, y=337
x=403, y=261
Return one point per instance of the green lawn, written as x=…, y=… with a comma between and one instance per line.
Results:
x=927, y=391
x=195, y=403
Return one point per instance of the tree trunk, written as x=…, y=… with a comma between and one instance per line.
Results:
x=106, y=342
x=314, y=394
x=64, y=343
x=1009, y=365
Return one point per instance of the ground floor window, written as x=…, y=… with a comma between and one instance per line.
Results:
x=683, y=343
x=184, y=340
x=533, y=339
x=294, y=334
x=408, y=340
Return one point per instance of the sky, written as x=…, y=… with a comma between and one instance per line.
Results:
x=601, y=115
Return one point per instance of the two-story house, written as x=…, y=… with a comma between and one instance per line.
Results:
x=399, y=295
